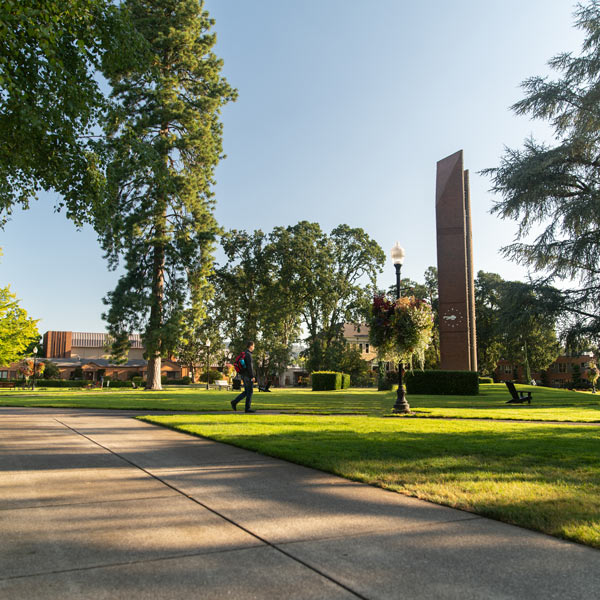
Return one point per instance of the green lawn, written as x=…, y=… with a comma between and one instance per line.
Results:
x=548, y=404
x=540, y=476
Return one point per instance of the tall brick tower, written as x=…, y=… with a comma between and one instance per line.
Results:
x=458, y=343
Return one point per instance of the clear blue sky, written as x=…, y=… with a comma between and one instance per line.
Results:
x=344, y=108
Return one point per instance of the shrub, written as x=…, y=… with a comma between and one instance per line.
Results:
x=66, y=383
x=179, y=381
x=326, y=380
x=213, y=375
x=463, y=383
x=117, y=383
x=486, y=380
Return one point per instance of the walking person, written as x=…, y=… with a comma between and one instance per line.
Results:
x=247, y=373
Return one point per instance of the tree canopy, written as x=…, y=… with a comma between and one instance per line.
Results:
x=17, y=329
x=50, y=99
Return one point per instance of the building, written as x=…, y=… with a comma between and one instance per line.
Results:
x=89, y=353
x=559, y=374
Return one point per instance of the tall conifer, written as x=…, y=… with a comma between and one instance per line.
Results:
x=163, y=141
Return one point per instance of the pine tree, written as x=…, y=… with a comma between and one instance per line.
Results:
x=163, y=142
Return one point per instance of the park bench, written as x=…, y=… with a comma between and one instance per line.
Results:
x=220, y=384
x=517, y=397
x=8, y=384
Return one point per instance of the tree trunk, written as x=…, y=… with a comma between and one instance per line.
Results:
x=153, y=380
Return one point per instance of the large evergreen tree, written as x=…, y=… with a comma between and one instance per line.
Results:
x=556, y=189
x=163, y=142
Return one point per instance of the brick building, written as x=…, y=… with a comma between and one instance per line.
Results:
x=559, y=374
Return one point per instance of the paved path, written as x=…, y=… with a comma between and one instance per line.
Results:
x=94, y=504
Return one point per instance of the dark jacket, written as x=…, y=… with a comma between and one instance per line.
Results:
x=248, y=371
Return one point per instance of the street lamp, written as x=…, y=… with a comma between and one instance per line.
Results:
x=207, y=361
x=35, y=350
x=401, y=405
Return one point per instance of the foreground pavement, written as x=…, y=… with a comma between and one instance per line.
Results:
x=94, y=504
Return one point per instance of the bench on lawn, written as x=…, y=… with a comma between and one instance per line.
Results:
x=8, y=384
x=220, y=384
x=517, y=397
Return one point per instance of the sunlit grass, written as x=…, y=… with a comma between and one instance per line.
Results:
x=538, y=476
x=548, y=404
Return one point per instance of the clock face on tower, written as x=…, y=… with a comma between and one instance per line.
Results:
x=453, y=318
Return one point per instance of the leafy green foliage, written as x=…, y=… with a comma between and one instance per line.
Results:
x=516, y=321
x=49, y=97
x=326, y=380
x=51, y=370
x=17, y=329
x=442, y=382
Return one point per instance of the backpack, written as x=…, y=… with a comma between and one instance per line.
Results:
x=239, y=364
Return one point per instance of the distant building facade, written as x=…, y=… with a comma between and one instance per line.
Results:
x=72, y=350
x=560, y=373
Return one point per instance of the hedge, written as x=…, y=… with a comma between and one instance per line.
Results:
x=181, y=381
x=71, y=383
x=459, y=383
x=345, y=381
x=326, y=380
x=486, y=380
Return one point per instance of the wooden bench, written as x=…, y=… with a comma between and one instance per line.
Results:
x=517, y=397
x=8, y=384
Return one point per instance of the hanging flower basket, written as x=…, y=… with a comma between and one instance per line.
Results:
x=401, y=330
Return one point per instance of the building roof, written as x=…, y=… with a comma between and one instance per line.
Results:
x=100, y=362
x=355, y=329
x=81, y=339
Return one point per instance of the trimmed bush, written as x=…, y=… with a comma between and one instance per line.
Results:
x=326, y=380
x=345, y=381
x=117, y=383
x=486, y=380
x=180, y=381
x=63, y=383
x=459, y=383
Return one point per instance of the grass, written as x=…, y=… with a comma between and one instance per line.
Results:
x=548, y=404
x=540, y=476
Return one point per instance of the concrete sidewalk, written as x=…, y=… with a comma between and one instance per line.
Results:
x=94, y=504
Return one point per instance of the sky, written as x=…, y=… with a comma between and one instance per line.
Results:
x=344, y=108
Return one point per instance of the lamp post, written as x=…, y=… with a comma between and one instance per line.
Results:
x=207, y=361
x=35, y=350
x=401, y=405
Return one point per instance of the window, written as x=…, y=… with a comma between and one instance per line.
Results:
x=508, y=368
x=367, y=348
x=562, y=367
x=360, y=346
x=3, y=374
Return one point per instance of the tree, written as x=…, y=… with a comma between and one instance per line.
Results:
x=51, y=370
x=254, y=300
x=556, y=189
x=163, y=142
x=17, y=329
x=488, y=290
x=334, y=278
x=49, y=95
x=192, y=350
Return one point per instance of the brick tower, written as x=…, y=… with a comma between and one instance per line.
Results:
x=458, y=345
